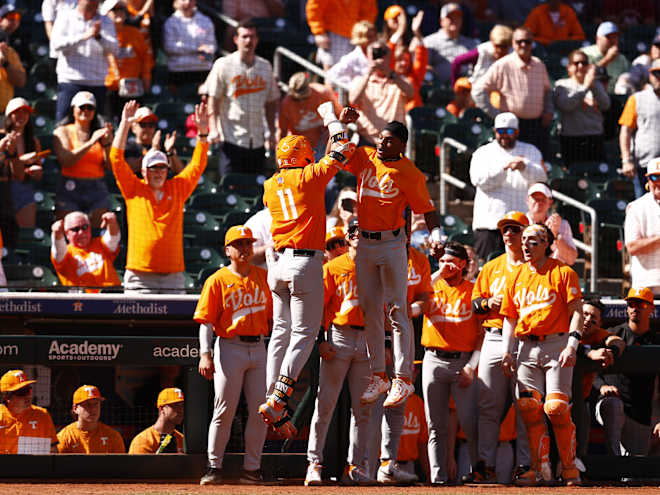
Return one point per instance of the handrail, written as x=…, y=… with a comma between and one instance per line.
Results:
x=445, y=178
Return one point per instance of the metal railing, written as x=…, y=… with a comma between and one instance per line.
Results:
x=445, y=178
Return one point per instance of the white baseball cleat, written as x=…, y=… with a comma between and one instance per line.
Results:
x=356, y=475
x=313, y=477
x=376, y=387
x=389, y=473
x=399, y=393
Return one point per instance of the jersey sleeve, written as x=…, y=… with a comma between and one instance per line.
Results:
x=572, y=285
x=417, y=193
x=208, y=308
x=508, y=308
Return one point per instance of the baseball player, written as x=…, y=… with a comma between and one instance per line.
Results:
x=343, y=354
x=495, y=388
x=335, y=243
x=542, y=306
x=87, y=435
x=452, y=337
x=236, y=304
x=295, y=196
x=162, y=437
x=24, y=428
x=387, y=183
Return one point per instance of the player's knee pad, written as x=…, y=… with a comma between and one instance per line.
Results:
x=557, y=407
x=530, y=406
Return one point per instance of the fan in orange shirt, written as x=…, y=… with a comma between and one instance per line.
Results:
x=85, y=262
x=87, y=435
x=162, y=437
x=543, y=303
x=24, y=428
x=295, y=196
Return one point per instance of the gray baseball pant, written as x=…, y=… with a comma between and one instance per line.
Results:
x=297, y=286
x=382, y=280
x=439, y=381
x=623, y=435
x=238, y=365
x=350, y=359
x=496, y=392
x=538, y=366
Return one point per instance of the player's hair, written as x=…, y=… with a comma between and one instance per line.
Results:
x=525, y=29
x=457, y=249
x=551, y=238
x=247, y=24
x=595, y=302
x=501, y=34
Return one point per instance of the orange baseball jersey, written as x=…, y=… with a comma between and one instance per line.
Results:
x=419, y=274
x=597, y=336
x=386, y=188
x=134, y=57
x=539, y=299
x=148, y=441
x=103, y=440
x=296, y=200
x=449, y=323
x=31, y=432
x=492, y=281
x=90, y=267
x=236, y=305
x=155, y=228
x=415, y=431
x=90, y=165
x=340, y=295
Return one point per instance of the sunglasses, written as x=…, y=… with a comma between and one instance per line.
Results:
x=524, y=41
x=158, y=168
x=79, y=228
x=334, y=244
x=22, y=392
x=149, y=125
x=514, y=229
x=580, y=62
x=637, y=304
x=87, y=108
x=654, y=177
x=510, y=131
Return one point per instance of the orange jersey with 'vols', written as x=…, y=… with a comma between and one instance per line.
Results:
x=340, y=295
x=449, y=323
x=30, y=432
x=386, y=188
x=296, y=200
x=148, y=441
x=539, y=299
x=415, y=432
x=89, y=267
x=236, y=305
x=103, y=440
x=492, y=281
x=419, y=274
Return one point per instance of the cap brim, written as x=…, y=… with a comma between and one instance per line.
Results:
x=502, y=223
x=88, y=399
x=21, y=385
x=151, y=117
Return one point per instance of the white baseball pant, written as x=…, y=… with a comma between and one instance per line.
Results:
x=538, y=366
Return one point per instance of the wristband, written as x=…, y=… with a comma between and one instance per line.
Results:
x=576, y=335
x=203, y=135
x=574, y=340
x=415, y=306
x=336, y=155
x=436, y=235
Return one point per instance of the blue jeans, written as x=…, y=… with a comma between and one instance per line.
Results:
x=66, y=92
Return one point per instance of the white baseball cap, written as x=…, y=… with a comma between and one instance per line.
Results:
x=449, y=8
x=653, y=167
x=606, y=28
x=506, y=120
x=154, y=157
x=145, y=113
x=108, y=5
x=347, y=194
x=540, y=187
x=83, y=98
x=16, y=103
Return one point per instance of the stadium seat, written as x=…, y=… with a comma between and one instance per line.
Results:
x=205, y=185
x=190, y=281
x=452, y=224
x=197, y=258
x=201, y=228
x=476, y=115
x=611, y=215
x=248, y=186
x=564, y=47
x=29, y=276
x=598, y=172
x=205, y=273
x=466, y=238
x=623, y=189
x=218, y=203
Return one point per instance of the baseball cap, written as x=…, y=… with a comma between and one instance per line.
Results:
x=450, y=8
x=86, y=392
x=463, y=83
x=16, y=103
x=540, y=187
x=238, y=232
x=14, y=380
x=655, y=65
x=392, y=11
x=83, y=98
x=506, y=120
x=642, y=293
x=154, y=157
x=336, y=232
x=299, y=85
x=347, y=194
x=653, y=167
x=169, y=396
x=7, y=9
x=145, y=113
x=513, y=218
x=606, y=28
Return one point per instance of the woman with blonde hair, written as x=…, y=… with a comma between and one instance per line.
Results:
x=485, y=54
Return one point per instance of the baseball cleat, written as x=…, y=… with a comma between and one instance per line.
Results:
x=356, y=475
x=399, y=393
x=528, y=478
x=251, y=477
x=377, y=386
x=484, y=474
x=571, y=476
x=389, y=473
x=313, y=477
x=212, y=476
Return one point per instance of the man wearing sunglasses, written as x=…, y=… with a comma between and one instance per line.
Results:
x=642, y=232
x=26, y=429
x=626, y=400
x=502, y=171
x=148, y=137
x=85, y=261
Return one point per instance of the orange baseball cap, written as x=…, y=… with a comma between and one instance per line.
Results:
x=14, y=380
x=294, y=151
x=86, y=392
x=462, y=83
x=642, y=293
x=336, y=232
x=238, y=232
x=392, y=11
x=169, y=396
x=515, y=218
x=145, y=114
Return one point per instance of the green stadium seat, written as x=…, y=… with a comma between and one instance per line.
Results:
x=190, y=281
x=205, y=185
x=248, y=186
x=219, y=203
x=201, y=228
x=452, y=224
x=565, y=47
x=622, y=189
x=598, y=172
x=611, y=215
x=197, y=258
x=173, y=115
x=466, y=238
x=476, y=115
x=29, y=276
x=205, y=273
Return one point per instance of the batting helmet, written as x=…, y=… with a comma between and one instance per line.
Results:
x=294, y=151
